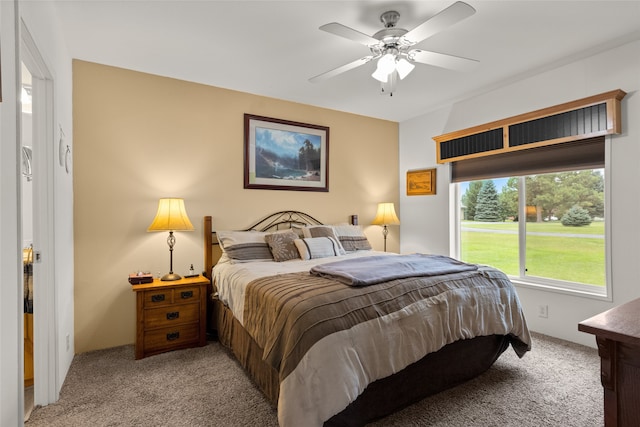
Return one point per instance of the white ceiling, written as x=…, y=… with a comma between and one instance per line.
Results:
x=272, y=48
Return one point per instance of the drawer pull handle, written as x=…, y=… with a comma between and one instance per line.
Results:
x=171, y=336
x=157, y=298
x=186, y=294
x=173, y=315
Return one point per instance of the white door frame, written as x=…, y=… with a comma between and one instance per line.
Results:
x=45, y=354
x=11, y=312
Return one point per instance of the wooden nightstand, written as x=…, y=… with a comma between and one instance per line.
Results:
x=170, y=315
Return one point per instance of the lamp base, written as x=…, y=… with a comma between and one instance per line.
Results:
x=169, y=277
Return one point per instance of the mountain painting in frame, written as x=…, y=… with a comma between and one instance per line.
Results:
x=285, y=155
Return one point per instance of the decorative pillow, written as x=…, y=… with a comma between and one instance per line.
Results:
x=317, y=247
x=299, y=230
x=323, y=231
x=244, y=246
x=352, y=238
x=282, y=246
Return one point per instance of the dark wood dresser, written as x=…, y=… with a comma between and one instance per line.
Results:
x=617, y=334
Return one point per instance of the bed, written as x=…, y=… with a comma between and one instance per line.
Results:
x=337, y=334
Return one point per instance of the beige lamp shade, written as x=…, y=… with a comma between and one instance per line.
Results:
x=386, y=215
x=171, y=216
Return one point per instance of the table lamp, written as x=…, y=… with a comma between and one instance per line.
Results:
x=386, y=216
x=171, y=216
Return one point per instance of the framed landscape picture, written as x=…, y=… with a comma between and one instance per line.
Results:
x=421, y=182
x=285, y=155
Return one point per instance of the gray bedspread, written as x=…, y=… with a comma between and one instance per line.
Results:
x=329, y=341
x=378, y=269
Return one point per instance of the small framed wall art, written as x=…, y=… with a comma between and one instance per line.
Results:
x=285, y=155
x=421, y=182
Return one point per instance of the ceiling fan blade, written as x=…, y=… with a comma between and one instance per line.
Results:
x=340, y=70
x=349, y=33
x=442, y=60
x=449, y=16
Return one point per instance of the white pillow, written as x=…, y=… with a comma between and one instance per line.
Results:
x=244, y=246
x=298, y=229
x=317, y=247
x=352, y=238
x=224, y=258
x=323, y=231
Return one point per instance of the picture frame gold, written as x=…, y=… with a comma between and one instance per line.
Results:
x=421, y=182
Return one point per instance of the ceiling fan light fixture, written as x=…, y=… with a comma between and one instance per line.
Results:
x=387, y=63
x=388, y=87
x=380, y=75
x=404, y=67
x=393, y=46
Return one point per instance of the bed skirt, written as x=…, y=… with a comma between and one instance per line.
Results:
x=452, y=365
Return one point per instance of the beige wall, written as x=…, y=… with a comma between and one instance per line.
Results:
x=139, y=137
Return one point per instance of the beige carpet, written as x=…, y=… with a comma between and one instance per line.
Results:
x=556, y=384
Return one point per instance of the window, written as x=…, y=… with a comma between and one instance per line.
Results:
x=541, y=157
x=547, y=229
x=545, y=226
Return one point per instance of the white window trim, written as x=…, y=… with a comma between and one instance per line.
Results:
x=569, y=288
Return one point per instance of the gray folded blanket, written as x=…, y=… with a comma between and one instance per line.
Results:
x=381, y=268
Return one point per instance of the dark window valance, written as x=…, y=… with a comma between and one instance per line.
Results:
x=576, y=155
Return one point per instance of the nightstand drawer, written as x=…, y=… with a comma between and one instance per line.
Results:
x=156, y=298
x=171, y=337
x=171, y=315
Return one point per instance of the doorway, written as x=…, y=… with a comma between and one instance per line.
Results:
x=26, y=193
x=37, y=135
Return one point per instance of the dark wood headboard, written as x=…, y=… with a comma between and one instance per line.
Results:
x=212, y=250
x=211, y=254
x=275, y=221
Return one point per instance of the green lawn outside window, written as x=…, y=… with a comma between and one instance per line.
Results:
x=559, y=256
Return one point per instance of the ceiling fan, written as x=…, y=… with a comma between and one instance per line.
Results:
x=393, y=46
